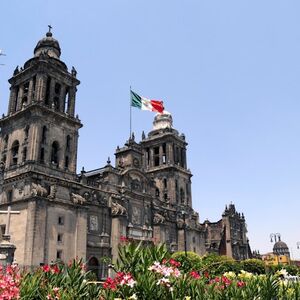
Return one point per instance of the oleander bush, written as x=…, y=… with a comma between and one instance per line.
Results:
x=150, y=272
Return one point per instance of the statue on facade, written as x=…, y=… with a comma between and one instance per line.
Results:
x=77, y=199
x=38, y=190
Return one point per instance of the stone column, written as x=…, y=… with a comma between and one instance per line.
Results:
x=12, y=99
x=118, y=229
x=151, y=158
x=71, y=101
x=40, y=89
x=20, y=96
x=62, y=99
x=40, y=236
x=72, y=153
x=160, y=155
x=27, y=254
x=80, y=234
x=30, y=91
x=180, y=240
x=51, y=93
x=170, y=155
x=35, y=142
x=156, y=234
x=184, y=158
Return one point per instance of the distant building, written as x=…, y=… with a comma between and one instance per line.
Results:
x=58, y=214
x=228, y=235
x=279, y=256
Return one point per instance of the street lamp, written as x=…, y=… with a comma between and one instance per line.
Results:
x=275, y=237
x=2, y=54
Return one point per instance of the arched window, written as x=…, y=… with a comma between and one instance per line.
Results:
x=47, y=90
x=165, y=183
x=26, y=132
x=165, y=196
x=67, y=162
x=24, y=154
x=68, y=142
x=42, y=155
x=57, y=88
x=93, y=266
x=54, y=153
x=15, y=152
x=44, y=134
x=66, y=100
x=182, y=196
x=157, y=192
x=5, y=141
x=56, y=103
x=24, y=101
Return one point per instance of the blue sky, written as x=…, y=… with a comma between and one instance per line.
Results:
x=228, y=71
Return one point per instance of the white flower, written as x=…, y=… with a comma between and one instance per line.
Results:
x=131, y=282
x=133, y=297
x=282, y=272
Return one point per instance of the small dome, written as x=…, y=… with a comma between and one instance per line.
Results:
x=281, y=248
x=48, y=45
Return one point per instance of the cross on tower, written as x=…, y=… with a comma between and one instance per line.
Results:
x=8, y=212
x=50, y=27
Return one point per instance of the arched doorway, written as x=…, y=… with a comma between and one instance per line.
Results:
x=93, y=265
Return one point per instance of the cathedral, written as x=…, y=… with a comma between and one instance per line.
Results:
x=48, y=212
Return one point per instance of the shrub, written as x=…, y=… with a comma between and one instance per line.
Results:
x=190, y=261
x=253, y=265
x=217, y=265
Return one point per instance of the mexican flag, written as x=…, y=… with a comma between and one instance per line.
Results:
x=146, y=104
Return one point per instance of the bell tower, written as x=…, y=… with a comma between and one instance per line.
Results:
x=38, y=152
x=165, y=158
x=41, y=108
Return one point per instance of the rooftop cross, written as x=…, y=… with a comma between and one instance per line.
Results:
x=50, y=27
x=8, y=212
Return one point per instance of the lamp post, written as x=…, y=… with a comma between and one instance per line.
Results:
x=275, y=237
x=2, y=54
x=183, y=212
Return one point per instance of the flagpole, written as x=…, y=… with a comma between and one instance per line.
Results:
x=130, y=114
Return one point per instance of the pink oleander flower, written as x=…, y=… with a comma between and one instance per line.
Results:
x=240, y=284
x=46, y=268
x=9, y=283
x=206, y=274
x=110, y=284
x=55, y=269
x=195, y=274
x=164, y=270
x=226, y=281
x=120, y=279
x=174, y=263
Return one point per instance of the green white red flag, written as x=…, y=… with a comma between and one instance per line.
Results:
x=146, y=104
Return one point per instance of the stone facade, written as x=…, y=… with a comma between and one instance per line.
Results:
x=145, y=196
x=228, y=235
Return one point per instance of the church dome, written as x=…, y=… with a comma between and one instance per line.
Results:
x=281, y=248
x=48, y=45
